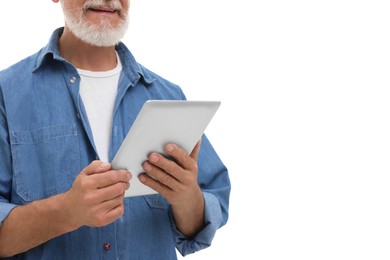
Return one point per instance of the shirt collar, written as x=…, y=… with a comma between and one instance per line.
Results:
x=130, y=66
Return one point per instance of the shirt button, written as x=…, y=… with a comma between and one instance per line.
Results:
x=73, y=80
x=106, y=246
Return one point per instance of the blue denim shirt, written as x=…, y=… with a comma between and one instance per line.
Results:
x=45, y=140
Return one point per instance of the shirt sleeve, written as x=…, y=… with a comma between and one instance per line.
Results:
x=5, y=166
x=214, y=181
x=213, y=220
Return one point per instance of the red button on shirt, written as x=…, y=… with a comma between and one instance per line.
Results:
x=106, y=246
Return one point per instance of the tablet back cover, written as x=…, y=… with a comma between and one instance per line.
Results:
x=158, y=123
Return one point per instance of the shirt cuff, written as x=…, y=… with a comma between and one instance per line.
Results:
x=213, y=220
x=5, y=209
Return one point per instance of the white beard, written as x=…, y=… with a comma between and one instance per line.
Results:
x=102, y=35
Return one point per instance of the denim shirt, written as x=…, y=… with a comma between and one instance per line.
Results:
x=46, y=140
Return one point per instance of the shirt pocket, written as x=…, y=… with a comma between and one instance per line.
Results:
x=156, y=201
x=45, y=161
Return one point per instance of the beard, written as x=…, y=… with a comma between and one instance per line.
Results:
x=101, y=34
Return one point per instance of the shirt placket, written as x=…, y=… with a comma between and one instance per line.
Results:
x=108, y=246
x=74, y=86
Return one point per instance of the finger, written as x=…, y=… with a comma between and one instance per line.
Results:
x=195, y=152
x=116, y=212
x=110, y=204
x=158, y=166
x=112, y=191
x=154, y=184
x=181, y=156
x=96, y=167
x=161, y=176
x=111, y=177
x=110, y=211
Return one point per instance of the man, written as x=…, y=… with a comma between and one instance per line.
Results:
x=64, y=112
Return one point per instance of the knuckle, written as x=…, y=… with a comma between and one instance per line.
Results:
x=165, y=179
x=95, y=161
x=180, y=189
x=157, y=186
x=195, y=167
x=120, y=188
x=119, y=201
x=183, y=158
x=121, y=210
x=125, y=175
x=113, y=176
x=179, y=172
x=100, y=220
x=189, y=178
x=86, y=184
x=90, y=198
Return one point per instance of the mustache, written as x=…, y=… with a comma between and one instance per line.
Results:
x=110, y=4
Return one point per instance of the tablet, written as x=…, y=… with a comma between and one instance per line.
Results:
x=158, y=123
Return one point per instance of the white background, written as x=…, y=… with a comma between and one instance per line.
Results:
x=304, y=122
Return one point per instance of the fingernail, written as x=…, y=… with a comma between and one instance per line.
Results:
x=147, y=166
x=142, y=178
x=104, y=165
x=153, y=158
x=170, y=147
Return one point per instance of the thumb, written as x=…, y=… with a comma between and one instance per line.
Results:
x=195, y=151
x=96, y=167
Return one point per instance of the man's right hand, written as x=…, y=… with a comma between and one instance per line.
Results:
x=95, y=199
x=96, y=196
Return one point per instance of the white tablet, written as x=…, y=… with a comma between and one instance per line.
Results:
x=158, y=123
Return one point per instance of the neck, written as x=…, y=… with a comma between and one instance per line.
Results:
x=85, y=56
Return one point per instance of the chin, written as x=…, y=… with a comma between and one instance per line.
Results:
x=100, y=36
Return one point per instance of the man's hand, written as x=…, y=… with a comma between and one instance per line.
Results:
x=177, y=181
x=95, y=199
x=96, y=196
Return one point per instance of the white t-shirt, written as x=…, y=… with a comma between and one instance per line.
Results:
x=98, y=92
